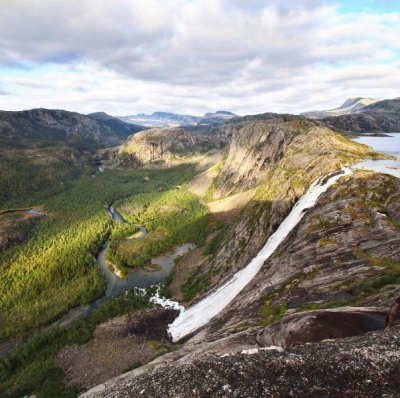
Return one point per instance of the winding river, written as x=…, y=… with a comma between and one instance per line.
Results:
x=202, y=312
x=160, y=268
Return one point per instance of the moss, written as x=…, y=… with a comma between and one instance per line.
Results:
x=135, y=365
x=271, y=313
x=326, y=241
x=309, y=307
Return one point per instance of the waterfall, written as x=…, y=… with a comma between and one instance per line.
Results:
x=201, y=313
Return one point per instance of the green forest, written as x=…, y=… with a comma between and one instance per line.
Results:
x=55, y=268
x=171, y=217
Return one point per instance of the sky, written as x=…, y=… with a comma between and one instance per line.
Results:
x=194, y=56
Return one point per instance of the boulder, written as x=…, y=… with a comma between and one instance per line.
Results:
x=319, y=325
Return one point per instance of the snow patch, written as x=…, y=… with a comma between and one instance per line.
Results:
x=252, y=351
x=201, y=313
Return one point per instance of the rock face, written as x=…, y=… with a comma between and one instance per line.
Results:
x=345, y=251
x=279, y=159
x=47, y=127
x=165, y=144
x=363, y=366
x=393, y=317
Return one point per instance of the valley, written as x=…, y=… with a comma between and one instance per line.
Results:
x=249, y=223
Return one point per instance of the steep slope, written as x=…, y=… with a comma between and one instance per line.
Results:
x=278, y=159
x=157, y=145
x=115, y=124
x=351, y=105
x=382, y=116
x=346, y=251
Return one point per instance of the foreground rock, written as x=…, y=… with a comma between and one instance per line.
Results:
x=123, y=343
x=366, y=366
x=323, y=324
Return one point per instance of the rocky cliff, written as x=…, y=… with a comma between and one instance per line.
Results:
x=365, y=366
x=334, y=277
x=282, y=335
x=157, y=145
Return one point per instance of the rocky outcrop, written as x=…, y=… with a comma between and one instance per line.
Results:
x=393, y=316
x=363, y=366
x=293, y=153
x=345, y=251
x=157, y=145
x=319, y=325
x=287, y=143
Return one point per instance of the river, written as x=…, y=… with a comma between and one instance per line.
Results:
x=161, y=267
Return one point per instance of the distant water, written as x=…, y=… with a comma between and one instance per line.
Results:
x=387, y=145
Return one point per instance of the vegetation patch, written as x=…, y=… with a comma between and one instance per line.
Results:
x=55, y=269
x=165, y=228
x=197, y=283
x=30, y=368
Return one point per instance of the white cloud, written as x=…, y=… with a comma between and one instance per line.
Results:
x=193, y=56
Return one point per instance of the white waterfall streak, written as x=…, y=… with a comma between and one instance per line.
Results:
x=201, y=313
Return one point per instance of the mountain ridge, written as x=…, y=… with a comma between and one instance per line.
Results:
x=351, y=105
x=171, y=119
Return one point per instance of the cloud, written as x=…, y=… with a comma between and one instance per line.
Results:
x=195, y=55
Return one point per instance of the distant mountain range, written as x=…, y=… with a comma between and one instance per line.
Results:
x=378, y=117
x=169, y=119
x=351, y=105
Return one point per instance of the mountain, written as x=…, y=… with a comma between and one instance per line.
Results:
x=42, y=148
x=167, y=119
x=382, y=116
x=351, y=105
x=47, y=127
x=327, y=291
x=216, y=117
x=324, y=295
x=161, y=119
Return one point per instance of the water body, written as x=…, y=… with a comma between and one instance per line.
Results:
x=137, y=278
x=389, y=145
